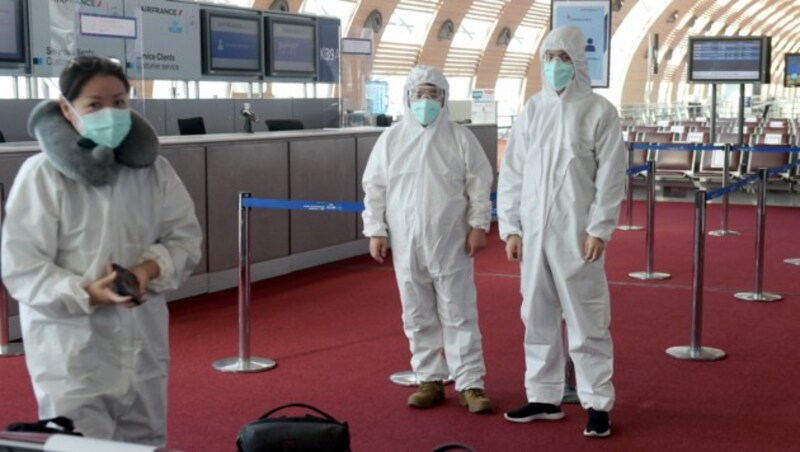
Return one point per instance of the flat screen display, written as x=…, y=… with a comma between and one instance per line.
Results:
x=792, y=71
x=12, y=32
x=293, y=48
x=231, y=43
x=729, y=60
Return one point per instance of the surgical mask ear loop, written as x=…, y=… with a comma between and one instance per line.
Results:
x=81, y=126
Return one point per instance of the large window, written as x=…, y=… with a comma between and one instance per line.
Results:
x=342, y=9
x=460, y=88
x=508, y=94
x=407, y=27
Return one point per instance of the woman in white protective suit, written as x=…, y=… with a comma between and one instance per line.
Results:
x=559, y=192
x=98, y=193
x=426, y=188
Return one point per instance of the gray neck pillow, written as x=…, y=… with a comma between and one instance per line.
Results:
x=82, y=160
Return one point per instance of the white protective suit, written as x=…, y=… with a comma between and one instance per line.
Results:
x=104, y=367
x=562, y=177
x=425, y=188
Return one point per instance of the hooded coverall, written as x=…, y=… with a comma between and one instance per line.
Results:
x=425, y=188
x=105, y=367
x=561, y=180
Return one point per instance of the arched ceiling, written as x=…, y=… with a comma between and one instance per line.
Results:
x=632, y=24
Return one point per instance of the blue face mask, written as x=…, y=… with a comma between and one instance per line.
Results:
x=107, y=127
x=558, y=74
x=426, y=111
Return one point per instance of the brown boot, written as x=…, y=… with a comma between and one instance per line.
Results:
x=475, y=400
x=428, y=394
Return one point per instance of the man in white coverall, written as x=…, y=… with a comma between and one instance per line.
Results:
x=559, y=192
x=427, y=187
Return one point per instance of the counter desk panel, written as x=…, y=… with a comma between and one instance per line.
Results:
x=314, y=165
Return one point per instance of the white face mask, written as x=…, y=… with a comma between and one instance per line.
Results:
x=106, y=127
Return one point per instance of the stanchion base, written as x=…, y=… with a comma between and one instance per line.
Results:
x=752, y=296
x=628, y=227
x=238, y=365
x=570, y=395
x=409, y=378
x=13, y=349
x=794, y=261
x=649, y=275
x=696, y=354
x=722, y=233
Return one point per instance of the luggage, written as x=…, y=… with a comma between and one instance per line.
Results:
x=318, y=432
x=60, y=425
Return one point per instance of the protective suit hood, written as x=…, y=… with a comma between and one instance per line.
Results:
x=572, y=41
x=420, y=75
x=80, y=159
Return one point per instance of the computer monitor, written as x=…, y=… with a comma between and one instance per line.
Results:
x=792, y=70
x=231, y=43
x=292, y=47
x=740, y=59
x=13, y=33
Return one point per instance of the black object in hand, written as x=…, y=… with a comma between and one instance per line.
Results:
x=126, y=283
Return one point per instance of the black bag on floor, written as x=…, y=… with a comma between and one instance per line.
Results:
x=61, y=425
x=308, y=433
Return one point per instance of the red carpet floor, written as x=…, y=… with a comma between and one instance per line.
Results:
x=336, y=334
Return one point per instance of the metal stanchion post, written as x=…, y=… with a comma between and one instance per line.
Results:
x=6, y=349
x=244, y=363
x=650, y=227
x=695, y=352
x=629, y=196
x=723, y=230
x=761, y=221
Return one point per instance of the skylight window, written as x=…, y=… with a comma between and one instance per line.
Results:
x=407, y=27
x=341, y=9
x=473, y=34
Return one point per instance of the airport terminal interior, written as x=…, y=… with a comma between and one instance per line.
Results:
x=269, y=111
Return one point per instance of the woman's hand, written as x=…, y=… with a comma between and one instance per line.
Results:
x=144, y=272
x=101, y=293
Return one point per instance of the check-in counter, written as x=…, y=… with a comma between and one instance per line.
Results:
x=314, y=165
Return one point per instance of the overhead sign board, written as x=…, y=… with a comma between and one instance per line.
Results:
x=167, y=46
x=57, y=36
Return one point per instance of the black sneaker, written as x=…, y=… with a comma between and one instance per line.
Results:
x=535, y=411
x=598, y=425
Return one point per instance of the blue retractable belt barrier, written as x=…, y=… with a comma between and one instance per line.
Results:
x=679, y=146
x=784, y=149
x=637, y=169
x=318, y=206
x=783, y=169
x=733, y=187
x=314, y=206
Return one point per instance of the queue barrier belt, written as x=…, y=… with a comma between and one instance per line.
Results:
x=315, y=206
x=748, y=180
x=678, y=146
x=637, y=169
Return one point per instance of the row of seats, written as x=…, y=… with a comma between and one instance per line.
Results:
x=704, y=169
x=705, y=137
x=769, y=131
x=196, y=125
